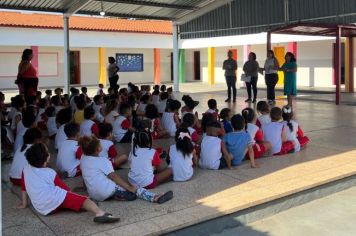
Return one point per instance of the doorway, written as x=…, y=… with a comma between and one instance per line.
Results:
x=196, y=65
x=74, y=67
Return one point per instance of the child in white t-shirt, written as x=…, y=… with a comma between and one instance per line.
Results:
x=69, y=153
x=170, y=119
x=182, y=156
x=122, y=127
x=48, y=193
x=100, y=90
x=88, y=127
x=97, y=106
x=28, y=121
x=111, y=111
x=264, y=118
x=163, y=102
x=63, y=117
x=213, y=108
x=51, y=124
x=143, y=161
x=103, y=183
x=156, y=129
x=108, y=148
x=32, y=136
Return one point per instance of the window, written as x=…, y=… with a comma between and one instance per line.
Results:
x=129, y=62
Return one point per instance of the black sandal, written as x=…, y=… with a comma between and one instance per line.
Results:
x=165, y=197
x=106, y=218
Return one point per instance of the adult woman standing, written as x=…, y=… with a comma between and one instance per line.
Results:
x=112, y=72
x=27, y=76
x=290, y=77
x=251, y=69
x=271, y=76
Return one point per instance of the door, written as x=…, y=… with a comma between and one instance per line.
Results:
x=196, y=65
x=74, y=67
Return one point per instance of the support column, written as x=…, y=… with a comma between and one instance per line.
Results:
x=349, y=65
x=269, y=42
x=181, y=66
x=66, y=55
x=211, y=66
x=102, y=66
x=338, y=65
x=34, y=60
x=157, y=65
x=175, y=58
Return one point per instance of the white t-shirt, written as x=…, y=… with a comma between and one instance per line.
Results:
x=58, y=108
x=141, y=168
x=252, y=130
x=120, y=127
x=86, y=128
x=60, y=137
x=264, y=119
x=19, y=163
x=110, y=118
x=141, y=108
x=273, y=133
x=210, y=154
x=52, y=126
x=182, y=166
x=66, y=158
x=98, y=115
x=106, y=145
x=19, y=138
x=13, y=122
x=168, y=123
x=155, y=100
x=162, y=106
x=95, y=171
x=292, y=135
x=39, y=115
x=270, y=62
x=44, y=194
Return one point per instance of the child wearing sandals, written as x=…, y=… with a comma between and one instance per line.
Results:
x=69, y=153
x=260, y=147
x=275, y=133
x=144, y=161
x=293, y=131
x=103, y=183
x=108, y=148
x=182, y=156
x=32, y=136
x=47, y=192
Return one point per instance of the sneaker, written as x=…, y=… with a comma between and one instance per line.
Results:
x=248, y=100
x=254, y=100
x=228, y=100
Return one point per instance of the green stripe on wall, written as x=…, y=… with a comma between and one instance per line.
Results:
x=181, y=75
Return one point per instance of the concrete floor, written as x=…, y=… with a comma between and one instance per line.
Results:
x=329, y=156
x=330, y=216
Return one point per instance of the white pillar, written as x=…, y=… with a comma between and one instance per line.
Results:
x=175, y=58
x=66, y=55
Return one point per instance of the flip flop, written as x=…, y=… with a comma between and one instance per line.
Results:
x=165, y=197
x=106, y=218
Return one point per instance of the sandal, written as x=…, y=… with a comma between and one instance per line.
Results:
x=106, y=218
x=165, y=197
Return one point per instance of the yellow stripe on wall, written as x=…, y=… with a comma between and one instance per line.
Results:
x=211, y=66
x=279, y=53
x=102, y=66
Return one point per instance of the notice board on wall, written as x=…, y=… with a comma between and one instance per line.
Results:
x=129, y=62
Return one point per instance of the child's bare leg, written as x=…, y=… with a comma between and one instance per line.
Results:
x=268, y=145
x=164, y=175
x=89, y=205
x=163, y=133
x=118, y=161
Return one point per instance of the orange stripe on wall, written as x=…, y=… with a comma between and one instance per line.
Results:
x=157, y=65
x=279, y=54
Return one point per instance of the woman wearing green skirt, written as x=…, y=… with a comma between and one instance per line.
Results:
x=290, y=77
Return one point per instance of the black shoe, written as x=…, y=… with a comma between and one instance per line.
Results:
x=228, y=100
x=234, y=100
x=254, y=100
x=248, y=100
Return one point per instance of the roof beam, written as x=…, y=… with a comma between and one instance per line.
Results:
x=75, y=6
x=128, y=16
x=151, y=4
x=207, y=8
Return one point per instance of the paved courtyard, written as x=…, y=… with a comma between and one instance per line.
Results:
x=331, y=155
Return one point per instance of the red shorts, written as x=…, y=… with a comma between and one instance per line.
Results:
x=79, y=171
x=287, y=147
x=16, y=182
x=153, y=184
x=72, y=201
x=257, y=153
x=155, y=135
x=303, y=141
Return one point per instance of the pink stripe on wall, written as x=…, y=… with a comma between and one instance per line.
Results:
x=292, y=47
x=247, y=50
x=35, y=57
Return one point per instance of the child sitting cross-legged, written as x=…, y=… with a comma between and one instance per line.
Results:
x=170, y=118
x=156, y=129
x=122, y=126
x=103, y=183
x=214, y=154
x=239, y=142
x=48, y=193
x=108, y=148
x=88, y=127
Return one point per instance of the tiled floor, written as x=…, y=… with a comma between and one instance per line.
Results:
x=330, y=155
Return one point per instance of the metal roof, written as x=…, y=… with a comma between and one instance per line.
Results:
x=174, y=10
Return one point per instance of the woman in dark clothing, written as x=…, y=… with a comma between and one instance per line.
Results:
x=27, y=76
x=251, y=69
x=112, y=72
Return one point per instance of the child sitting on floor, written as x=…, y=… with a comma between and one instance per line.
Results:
x=122, y=127
x=293, y=131
x=98, y=106
x=144, y=160
x=88, y=127
x=182, y=156
x=48, y=193
x=111, y=113
x=275, y=133
x=32, y=136
x=103, y=183
x=28, y=121
x=170, y=119
x=155, y=96
x=18, y=104
x=156, y=129
x=79, y=112
x=264, y=118
x=63, y=117
x=214, y=154
x=69, y=153
x=41, y=118
x=100, y=90
x=163, y=103
x=51, y=122
x=108, y=148
x=189, y=123
x=144, y=101
x=239, y=142
x=225, y=116
x=213, y=108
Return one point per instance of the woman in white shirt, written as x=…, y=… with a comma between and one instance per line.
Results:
x=271, y=76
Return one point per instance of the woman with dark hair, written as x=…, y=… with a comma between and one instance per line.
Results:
x=271, y=76
x=112, y=72
x=251, y=69
x=290, y=77
x=27, y=76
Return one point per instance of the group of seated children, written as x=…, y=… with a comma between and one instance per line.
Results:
x=84, y=132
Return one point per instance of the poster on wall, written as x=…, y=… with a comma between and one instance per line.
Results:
x=129, y=62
